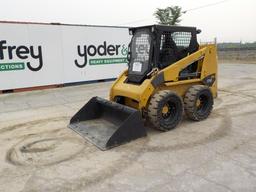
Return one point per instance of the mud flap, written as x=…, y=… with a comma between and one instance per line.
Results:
x=107, y=124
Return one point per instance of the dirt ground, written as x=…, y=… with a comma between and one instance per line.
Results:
x=39, y=153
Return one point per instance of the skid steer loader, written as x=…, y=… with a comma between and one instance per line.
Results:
x=168, y=73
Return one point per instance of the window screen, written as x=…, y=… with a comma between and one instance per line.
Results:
x=167, y=49
x=141, y=46
x=140, y=51
x=166, y=42
x=181, y=39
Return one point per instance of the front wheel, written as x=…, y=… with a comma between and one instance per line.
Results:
x=165, y=110
x=198, y=102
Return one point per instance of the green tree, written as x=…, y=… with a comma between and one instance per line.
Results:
x=169, y=15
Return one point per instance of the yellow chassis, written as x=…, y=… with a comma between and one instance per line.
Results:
x=138, y=96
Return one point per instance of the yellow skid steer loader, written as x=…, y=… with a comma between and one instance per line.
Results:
x=168, y=73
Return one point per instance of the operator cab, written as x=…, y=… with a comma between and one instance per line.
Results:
x=158, y=46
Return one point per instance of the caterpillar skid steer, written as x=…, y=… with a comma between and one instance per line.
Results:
x=168, y=73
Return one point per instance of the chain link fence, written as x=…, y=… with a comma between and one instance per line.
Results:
x=235, y=52
x=243, y=54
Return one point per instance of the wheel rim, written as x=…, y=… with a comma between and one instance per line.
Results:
x=169, y=111
x=202, y=104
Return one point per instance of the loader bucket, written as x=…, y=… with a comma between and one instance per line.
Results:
x=107, y=124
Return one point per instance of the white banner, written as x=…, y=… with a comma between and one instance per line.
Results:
x=92, y=53
x=41, y=54
x=30, y=55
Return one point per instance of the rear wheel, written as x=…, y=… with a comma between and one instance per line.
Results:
x=198, y=102
x=165, y=110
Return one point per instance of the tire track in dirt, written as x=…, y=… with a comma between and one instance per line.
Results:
x=43, y=148
x=118, y=166
x=132, y=154
x=128, y=157
x=121, y=165
x=43, y=152
x=30, y=124
x=31, y=150
x=220, y=132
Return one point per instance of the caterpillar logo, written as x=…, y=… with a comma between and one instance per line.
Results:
x=18, y=56
x=100, y=51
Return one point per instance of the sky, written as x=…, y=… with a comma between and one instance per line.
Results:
x=227, y=20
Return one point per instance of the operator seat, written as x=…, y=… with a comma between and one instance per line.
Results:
x=168, y=53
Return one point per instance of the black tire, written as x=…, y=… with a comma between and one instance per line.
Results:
x=169, y=101
x=198, y=94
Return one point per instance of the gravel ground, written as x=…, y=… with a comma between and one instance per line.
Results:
x=39, y=153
